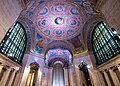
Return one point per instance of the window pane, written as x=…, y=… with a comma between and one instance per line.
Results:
x=104, y=44
x=14, y=43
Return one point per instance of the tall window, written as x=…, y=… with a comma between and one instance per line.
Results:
x=105, y=43
x=14, y=43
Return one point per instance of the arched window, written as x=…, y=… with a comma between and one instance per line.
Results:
x=105, y=43
x=14, y=43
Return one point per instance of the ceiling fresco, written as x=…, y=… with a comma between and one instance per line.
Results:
x=58, y=53
x=86, y=5
x=78, y=45
x=58, y=20
x=40, y=42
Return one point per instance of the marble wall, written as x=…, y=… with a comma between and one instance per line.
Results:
x=9, y=12
x=111, y=11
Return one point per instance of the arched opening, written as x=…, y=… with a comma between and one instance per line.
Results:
x=58, y=74
x=14, y=43
x=58, y=59
x=105, y=43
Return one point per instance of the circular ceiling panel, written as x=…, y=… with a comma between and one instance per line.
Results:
x=58, y=20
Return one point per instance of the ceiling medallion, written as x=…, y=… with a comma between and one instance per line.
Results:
x=59, y=20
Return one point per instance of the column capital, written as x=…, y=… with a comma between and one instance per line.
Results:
x=2, y=64
x=107, y=78
x=12, y=77
x=1, y=67
x=107, y=70
x=118, y=65
x=102, y=71
x=112, y=68
x=114, y=77
x=14, y=68
x=5, y=76
x=118, y=68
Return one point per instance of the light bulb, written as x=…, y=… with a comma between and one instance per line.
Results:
x=88, y=66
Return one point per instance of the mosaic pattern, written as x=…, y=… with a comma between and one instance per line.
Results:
x=78, y=45
x=58, y=20
x=51, y=15
x=58, y=53
x=86, y=5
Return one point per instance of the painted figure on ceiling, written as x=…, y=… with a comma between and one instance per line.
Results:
x=41, y=43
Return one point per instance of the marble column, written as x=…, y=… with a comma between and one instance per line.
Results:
x=114, y=77
x=32, y=79
x=50, y=76
x=107, y=78
x=29, y=79
x=83, y=81
x=66, y=76
x=44, y=77
x=5, y=77
x=92, y=75
x=78, y=78
x=101, y=78
x=12, y=77
x=39, y=76
x=58, y=75
x=118, y=68
x=71, y=76
x=1, y=67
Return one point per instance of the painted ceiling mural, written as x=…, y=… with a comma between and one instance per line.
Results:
x=78, y=45
x=58, y=20
x=40, y=43
x=58, y=53
x=88, y=6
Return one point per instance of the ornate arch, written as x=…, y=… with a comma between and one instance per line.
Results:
x=88, y=29
x=30, y=31
x=58, y=44
x=87, y=34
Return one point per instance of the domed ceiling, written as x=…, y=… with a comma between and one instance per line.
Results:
x=58, y=20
